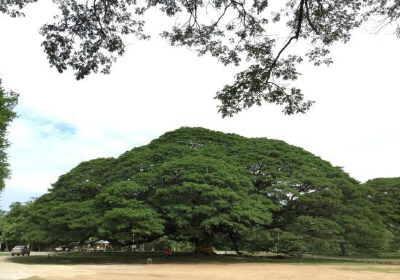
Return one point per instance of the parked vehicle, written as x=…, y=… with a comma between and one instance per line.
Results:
x=20, y=250
x=61, y=249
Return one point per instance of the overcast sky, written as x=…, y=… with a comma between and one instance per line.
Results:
x=156, y=88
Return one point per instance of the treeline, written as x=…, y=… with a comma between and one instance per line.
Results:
x=210, y=189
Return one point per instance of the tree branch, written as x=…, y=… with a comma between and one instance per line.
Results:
x=309, y=19
x=299, y=19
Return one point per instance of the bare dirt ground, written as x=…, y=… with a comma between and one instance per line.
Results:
x=12, y=271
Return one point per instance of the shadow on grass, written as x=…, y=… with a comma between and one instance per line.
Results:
x=186, y=258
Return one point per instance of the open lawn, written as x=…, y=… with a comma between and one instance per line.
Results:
x=121, y=266
x=190, y=258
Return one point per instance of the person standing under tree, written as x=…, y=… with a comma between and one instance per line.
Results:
x=168, y=253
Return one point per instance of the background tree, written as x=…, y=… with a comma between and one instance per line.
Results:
x=8, y=100
x=24, y=224
x=2, y=233
x=88, y=36
x=13, y=224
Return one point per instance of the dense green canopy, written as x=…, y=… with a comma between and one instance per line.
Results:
x=208, y=188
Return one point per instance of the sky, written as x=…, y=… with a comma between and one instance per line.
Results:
x=157, y=88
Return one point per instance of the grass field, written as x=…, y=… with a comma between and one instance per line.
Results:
x=189, y=258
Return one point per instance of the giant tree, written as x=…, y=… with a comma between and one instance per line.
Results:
x=206, y=187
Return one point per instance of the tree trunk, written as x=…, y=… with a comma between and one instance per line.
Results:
x=235, y=244
x=343, y=248
x=204, y=244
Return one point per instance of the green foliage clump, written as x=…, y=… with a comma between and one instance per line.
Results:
x=385, y=198
x=8, y=100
